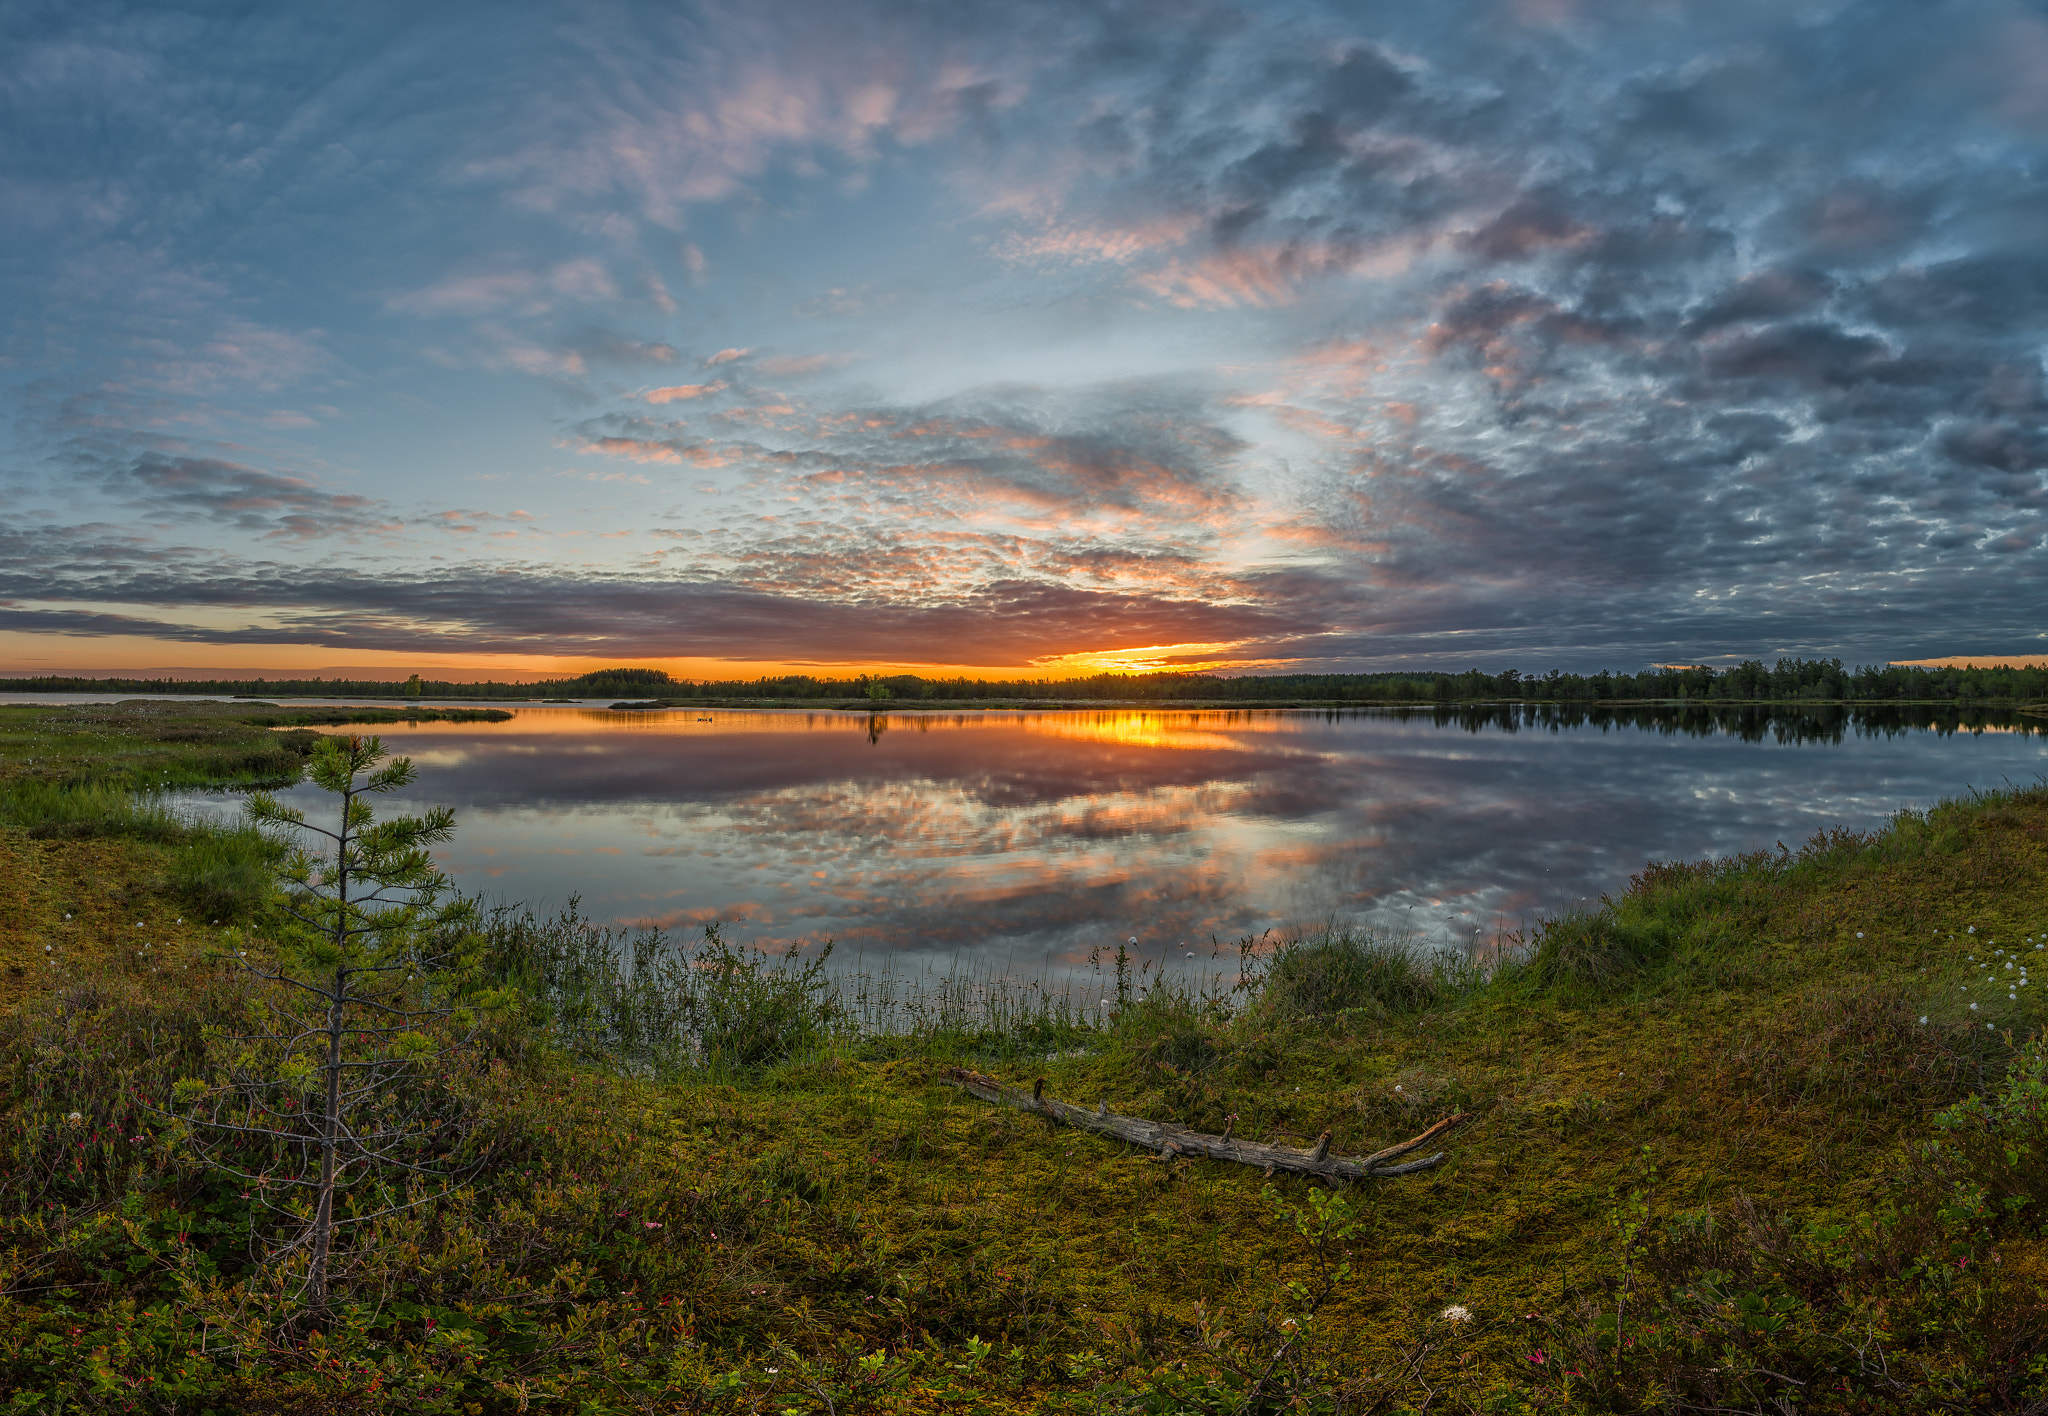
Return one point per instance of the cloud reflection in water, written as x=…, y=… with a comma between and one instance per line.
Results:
x=1023, y=839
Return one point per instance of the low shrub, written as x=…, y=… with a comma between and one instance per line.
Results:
x=1863, y=1048
x=1996, y=1142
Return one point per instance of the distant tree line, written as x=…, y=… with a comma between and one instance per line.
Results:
x=1787, y=681
x=606, y=683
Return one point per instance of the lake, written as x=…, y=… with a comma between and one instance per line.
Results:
x=1016, y=841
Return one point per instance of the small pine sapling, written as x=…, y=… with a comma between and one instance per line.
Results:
x=337, y=1102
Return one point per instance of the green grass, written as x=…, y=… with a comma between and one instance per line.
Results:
x=1712, y=1157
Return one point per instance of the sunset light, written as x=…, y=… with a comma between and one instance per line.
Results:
x=1029, y=707
x=831, y=340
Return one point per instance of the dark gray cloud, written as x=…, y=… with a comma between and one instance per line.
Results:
x=498, y=609
x=245, y=498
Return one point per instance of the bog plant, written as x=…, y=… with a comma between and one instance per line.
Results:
x=648, y=1004
x=333, y=1099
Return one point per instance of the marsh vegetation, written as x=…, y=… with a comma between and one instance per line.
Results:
x=1754, y=1134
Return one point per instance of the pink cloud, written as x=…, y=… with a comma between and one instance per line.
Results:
x=681, y=391
x=1269, y=275
x=647, y=450
x=1225, y=280
x=1080, y=244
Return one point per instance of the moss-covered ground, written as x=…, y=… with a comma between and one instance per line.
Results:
x=1718, y=1154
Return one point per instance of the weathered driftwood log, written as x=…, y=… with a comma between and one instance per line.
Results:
x=1172, y=1141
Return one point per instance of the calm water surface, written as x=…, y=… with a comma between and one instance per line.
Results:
x=1019, y=840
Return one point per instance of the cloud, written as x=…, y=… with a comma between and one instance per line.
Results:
x=798, y=365
x=468, y=294
x=672, y=451
x=246, y=498
x=681, y=392
x=494, y=609
x=1474, y=326
x=1074, y=245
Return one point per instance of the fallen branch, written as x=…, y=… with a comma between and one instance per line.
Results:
x=1172, y=1141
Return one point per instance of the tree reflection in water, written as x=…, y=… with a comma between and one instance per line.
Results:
x=1018, y=840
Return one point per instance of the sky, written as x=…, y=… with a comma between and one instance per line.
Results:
x=1020, y=338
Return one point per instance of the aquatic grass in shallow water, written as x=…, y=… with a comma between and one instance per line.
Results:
x=224, y=874
x=963, y=1013
x=56, y=810
x=646, y=1004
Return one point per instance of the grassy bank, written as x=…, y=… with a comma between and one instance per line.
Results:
x=1720, y=1152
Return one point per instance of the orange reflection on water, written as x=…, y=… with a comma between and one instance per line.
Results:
x=1048, y=832
x=1210, y=730
x=1144, y=727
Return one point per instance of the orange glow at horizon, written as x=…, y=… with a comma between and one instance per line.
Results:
x=1153, y=659
x=31, y=655
x=1977, y=661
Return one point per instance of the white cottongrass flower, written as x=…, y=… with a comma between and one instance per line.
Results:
x=1923, y=1018
x=1973, y=1007
x=1859, y=934
x=1457, y=1313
